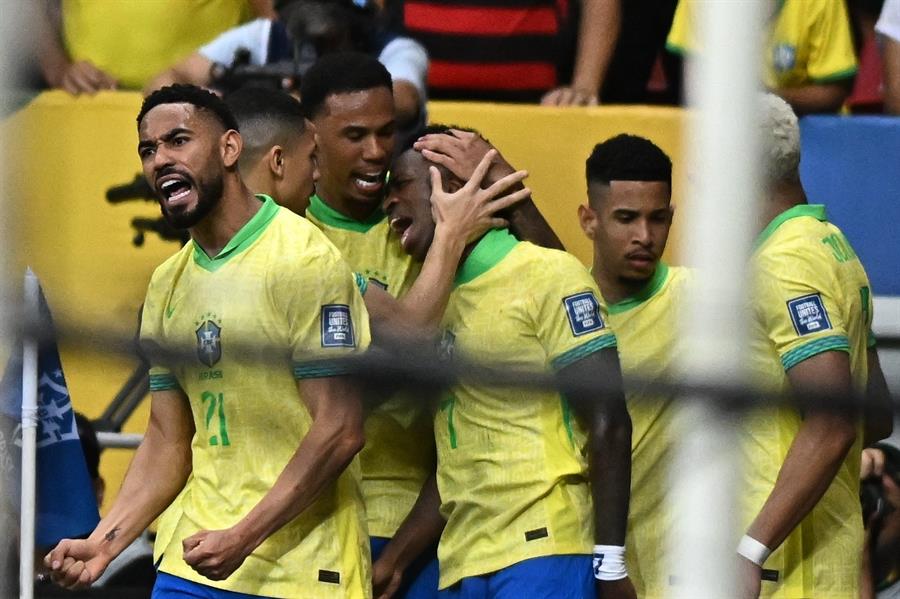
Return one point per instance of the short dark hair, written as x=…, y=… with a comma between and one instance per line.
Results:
x=339, y=73
x=90, y=446
x=266, y=117
x=189, y=94
x=628, y=158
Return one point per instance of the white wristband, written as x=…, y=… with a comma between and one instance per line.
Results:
x=609, y=562
x=753, y=550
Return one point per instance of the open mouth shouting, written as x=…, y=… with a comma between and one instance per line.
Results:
x=174, y=189
x=402, y=225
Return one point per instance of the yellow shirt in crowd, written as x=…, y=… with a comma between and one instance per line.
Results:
x=133, y=41
x=808, y=41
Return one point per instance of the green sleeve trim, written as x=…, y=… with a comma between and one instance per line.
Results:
x=871, y=341
x=163, y=382
x=845, y=74
x=583, y=350
x=676, y=49
x=362, y=283
x=318, y=370
x=813, y=348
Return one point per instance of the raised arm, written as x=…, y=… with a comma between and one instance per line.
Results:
x=156, y=475
x=460, y=217
x=335, y=436
x=460, y=153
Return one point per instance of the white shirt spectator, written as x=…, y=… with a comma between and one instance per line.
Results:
x=889, y=21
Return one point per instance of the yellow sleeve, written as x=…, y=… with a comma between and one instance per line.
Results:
x=162, y=377
x=326, y=316
x=680, y=40
x=798, y=305
x=832, y=56
x=569, y=317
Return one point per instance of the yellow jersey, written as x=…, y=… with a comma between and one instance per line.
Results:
x=808, y=41
x=811, y=295
x=512, y=472
x=234, y=333
x=647, y=334
x=395, y=461
x=133, y=41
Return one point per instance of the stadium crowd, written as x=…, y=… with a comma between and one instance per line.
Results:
x=338, y=227
x=557, y=53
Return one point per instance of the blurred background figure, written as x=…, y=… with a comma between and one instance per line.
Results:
x=809, y=57
x=302, y=31
x=880, y=495
x=514, y=51
x=888, y=27
x=89, y=45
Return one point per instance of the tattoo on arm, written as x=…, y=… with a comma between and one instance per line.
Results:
x=111, y=535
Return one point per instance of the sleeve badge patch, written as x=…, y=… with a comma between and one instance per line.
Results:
x=583, y=311
x=337, y=326
x=808, y=314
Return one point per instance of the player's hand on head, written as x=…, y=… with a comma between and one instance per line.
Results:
x=616, y=589
x=83, y=77
x=386, y=579
x=460, y=153
x=215, y=554
x=76, y=563
x=470, y=211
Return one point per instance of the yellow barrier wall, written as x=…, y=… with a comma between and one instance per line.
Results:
x=70, y=150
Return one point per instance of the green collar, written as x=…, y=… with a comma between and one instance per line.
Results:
x=489, y=251
x=242, y=239
x=817, y=211
x=649, y=290
x=331, y=217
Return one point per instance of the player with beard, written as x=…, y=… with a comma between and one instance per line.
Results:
x=627, y=218
x=248, y=424
x=517, y=468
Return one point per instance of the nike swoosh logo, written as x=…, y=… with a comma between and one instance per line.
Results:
x=169, y=311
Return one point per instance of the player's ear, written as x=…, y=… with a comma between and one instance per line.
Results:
x=276, y=161
x=587, y=218
x=230, y=146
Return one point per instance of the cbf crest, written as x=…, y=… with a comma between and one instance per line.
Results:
x=209, y=340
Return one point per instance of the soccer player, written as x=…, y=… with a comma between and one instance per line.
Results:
x=517, y=468
x=812, y=313
x=277, y=158
x=627, y=217
x=255, y=431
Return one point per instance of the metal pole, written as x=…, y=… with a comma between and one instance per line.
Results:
x=29, y=438
x=723, y=148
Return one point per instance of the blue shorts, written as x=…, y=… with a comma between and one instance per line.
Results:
x=421, y=579
x=173, y=587
x=550, y=577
